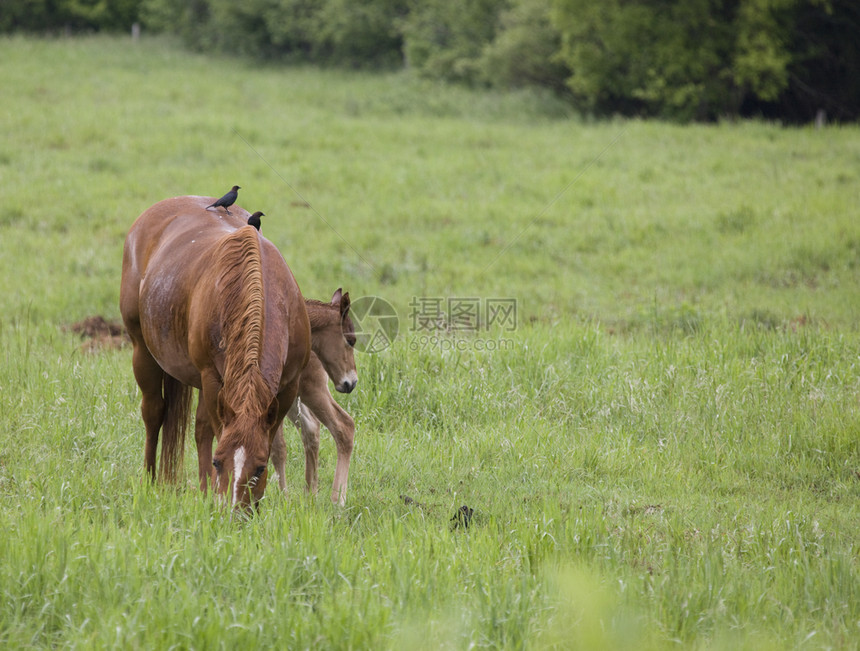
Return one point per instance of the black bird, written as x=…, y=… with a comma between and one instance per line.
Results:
x=227, y=200
x=463, y=517
x=254, y=220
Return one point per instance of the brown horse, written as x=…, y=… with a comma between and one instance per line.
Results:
x=331, y=331
x=209, y=303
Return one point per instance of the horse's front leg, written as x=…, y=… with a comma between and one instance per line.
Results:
x=205, y=425
x=324, y=408
x=342, y=429
x=204, y=434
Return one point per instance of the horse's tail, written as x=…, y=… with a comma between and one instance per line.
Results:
x=177, y=404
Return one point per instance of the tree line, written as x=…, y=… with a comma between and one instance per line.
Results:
x=673, y=59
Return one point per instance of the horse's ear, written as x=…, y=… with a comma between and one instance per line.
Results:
x=335, y=298
x=344, y=304
x=272, y=413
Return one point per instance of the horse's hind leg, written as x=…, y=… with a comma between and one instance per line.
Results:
x=309, y=428
x=278, y=455
x=150, y=378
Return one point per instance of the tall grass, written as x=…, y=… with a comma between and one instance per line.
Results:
x=667, y=451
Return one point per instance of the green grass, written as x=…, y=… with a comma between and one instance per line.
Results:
x=666, y=452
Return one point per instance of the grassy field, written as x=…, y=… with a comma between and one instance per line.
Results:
x=664, y=453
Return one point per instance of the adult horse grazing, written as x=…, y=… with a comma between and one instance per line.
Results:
x=209, y=303
x=332, y=341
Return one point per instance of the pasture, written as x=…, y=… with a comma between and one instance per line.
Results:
x=664, y=452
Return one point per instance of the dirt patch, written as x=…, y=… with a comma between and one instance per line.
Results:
x=99, y=334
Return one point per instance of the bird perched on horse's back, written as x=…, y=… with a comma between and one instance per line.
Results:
x=227, y=200
x=254, y=220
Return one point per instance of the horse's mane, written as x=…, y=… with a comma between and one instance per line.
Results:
x=241, y=312
x=319, y=313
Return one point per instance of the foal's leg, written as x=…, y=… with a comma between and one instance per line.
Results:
x=309, y=428
x=278, y=446
x=278, y=455
x=342, y=428
x=150, y=378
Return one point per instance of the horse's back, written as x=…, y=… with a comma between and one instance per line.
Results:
x=177, y=224
x=160, y=248
x=168, y=295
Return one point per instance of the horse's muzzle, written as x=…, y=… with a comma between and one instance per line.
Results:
x=346, y=386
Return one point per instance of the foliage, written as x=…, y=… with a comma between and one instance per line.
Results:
x=645, y=57
x=52, y=15
x=525, y=49
x=701, y=59
x=354, y=34
x=825, y=58
x=697, y=60
x=761, y=59
x=445, y=38
x=362, y=33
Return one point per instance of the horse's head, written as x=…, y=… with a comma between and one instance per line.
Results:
x=240, y=462
x=333, y=339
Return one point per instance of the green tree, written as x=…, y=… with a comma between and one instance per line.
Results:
x=702, y=59
x=824, y=72
x=760, y=57
x=525, y=49
x=652, y=57
x=356, y=33
x=446, y=38
x=361, y=33
x=51, y=15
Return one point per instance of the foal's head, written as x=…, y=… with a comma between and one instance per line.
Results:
x=333, y=339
